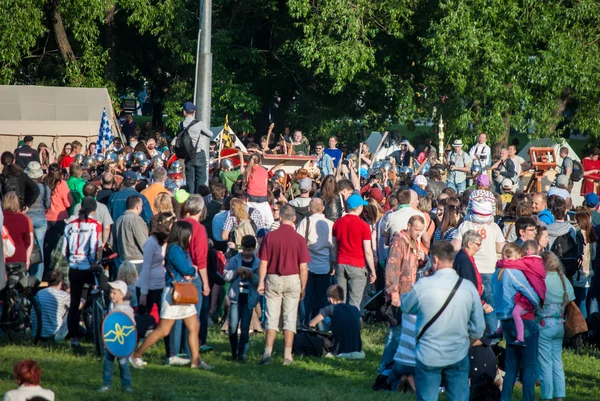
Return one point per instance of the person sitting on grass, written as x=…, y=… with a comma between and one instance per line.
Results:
x=28, y=375
x=118, y=291
x=54, y=305
x=345, y=325
x=242, y=272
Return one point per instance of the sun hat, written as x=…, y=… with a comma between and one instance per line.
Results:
x=34, y=170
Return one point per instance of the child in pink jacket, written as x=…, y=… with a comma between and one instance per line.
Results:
x=532, y=267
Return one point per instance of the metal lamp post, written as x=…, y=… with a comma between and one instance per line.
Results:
x=203, y=89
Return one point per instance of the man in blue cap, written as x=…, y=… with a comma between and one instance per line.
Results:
x=195, y=169
x=352, y=250
x=591, y=201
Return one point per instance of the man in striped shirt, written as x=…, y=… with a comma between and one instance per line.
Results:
x=54, y=304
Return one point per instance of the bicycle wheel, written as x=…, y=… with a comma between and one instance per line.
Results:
x=98, y=315
x=26, y=319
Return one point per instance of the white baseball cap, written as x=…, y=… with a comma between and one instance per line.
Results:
x=119, y=285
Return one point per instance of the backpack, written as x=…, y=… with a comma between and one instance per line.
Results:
x=12, y=184
x=301, y=213
x=565, y=247
x=577, y=173
x=246, y=227
x=312, y=343
x=184, y=148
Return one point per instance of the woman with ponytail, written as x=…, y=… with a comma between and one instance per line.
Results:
x=82, y=236
x=586, y=241
x=559, y=293
x=60, y=202
x=255, y=180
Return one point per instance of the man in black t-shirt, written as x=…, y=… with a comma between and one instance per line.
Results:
x=345, y=324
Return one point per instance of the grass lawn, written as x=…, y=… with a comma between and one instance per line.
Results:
x=78, y=378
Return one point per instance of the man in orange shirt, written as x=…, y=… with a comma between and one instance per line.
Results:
x=160, y=176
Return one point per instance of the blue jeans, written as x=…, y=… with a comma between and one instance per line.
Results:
x=108, y=368
x=40, y=225
x=392, y=340
x=239, y=313
x=517, y=358
x=315, y=295
x=454, y=378
x=550, y=366
x=459, y=187
x=580, y=299
x=178, y=343
x=491, y=322
x=195, y=172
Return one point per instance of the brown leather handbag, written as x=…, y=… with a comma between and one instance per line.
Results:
x=183, y=293
x=574, y=321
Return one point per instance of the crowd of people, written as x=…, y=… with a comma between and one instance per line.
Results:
x=457, y=253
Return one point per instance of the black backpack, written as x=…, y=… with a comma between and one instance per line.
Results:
x=577, y=173
x=312, y=343
x=565, y=247
x=12, y=183
x=184, y=148
x=301, y=213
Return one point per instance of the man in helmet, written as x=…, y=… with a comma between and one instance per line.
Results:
x=229, y=175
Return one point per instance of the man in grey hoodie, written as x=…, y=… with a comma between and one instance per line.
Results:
x=558, y=207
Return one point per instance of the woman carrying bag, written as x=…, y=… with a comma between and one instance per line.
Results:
x=178, y=301
x=559, y=293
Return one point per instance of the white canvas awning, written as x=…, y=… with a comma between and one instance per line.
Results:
x=52, y=114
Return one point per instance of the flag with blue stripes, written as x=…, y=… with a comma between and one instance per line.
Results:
x=105, y=135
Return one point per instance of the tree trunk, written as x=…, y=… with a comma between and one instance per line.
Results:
x=502, y=141
x=60, y=34
x=109, y=41
x=561, y=105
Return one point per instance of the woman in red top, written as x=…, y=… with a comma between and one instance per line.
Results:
x=65, y=159
x=60, y=201
x=591, y=170
x=255, y=179
x=21, y=231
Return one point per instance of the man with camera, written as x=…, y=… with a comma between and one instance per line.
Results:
x=459, y=164
x=504, y=168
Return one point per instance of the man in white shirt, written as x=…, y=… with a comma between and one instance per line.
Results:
x=398, y=220
x=481, y=153
x=517, y=160
x=317, y=231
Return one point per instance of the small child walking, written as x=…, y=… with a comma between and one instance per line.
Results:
x=242, y=272
x=118, y=292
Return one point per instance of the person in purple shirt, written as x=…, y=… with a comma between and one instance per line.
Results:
x=333, y=152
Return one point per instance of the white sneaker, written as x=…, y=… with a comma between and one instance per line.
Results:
x=178, y=361
x=203, y=365
x=137, y=363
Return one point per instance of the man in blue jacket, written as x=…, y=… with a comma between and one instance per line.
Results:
x=540, y=207
x=117, y=204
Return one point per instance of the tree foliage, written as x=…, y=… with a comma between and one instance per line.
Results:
x=327, y=66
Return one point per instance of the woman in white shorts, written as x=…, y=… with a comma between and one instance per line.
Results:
x=179, y=269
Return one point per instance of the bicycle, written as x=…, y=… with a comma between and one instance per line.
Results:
x=96, y=305
x=21, y=312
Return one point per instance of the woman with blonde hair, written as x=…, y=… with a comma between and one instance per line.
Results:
x=559, y=293
x=20, y=228
x=163, y=203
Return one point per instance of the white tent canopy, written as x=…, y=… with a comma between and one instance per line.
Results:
x=52, y=114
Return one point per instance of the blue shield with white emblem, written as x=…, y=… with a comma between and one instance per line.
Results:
x=119, y=334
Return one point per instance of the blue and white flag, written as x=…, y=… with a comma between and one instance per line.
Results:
x=105, y=135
